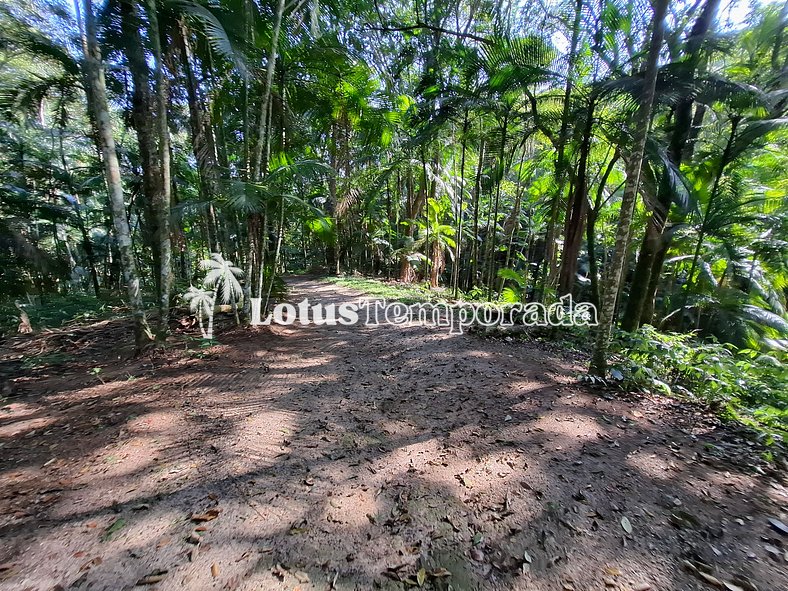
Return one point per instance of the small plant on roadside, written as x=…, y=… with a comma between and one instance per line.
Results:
x=96, y=372
x=223, y=278
x=201, y=304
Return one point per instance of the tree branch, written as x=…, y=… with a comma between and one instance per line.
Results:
x=419, y=25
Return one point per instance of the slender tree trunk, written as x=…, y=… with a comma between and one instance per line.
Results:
x=593, y=215
x=93, y=72
x=275, y=261
x=332, y=259
x=86, y=242
x=203, y=144
x=551, y=268
x=633, y=168
x=492, y=232
x=512, y=224
x=262, y=131
x=724, y=160
x=477, y=189
x=163, y=204
x=576, y=211
x=460, y=195
x=656, y=241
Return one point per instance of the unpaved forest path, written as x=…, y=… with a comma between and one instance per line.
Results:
x=349, y=457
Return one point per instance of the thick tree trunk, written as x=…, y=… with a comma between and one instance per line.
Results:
x=633, y=167
x=99, y=110
x=143, y=120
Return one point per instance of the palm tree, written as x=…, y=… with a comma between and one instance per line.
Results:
x=96, y=89
x=633, y=168
x=201, y=304
x=222, y=277
x=437, y=238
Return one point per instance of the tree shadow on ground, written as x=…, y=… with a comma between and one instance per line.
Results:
x=356, y=456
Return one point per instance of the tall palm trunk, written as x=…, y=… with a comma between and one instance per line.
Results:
x=164, y=196
x=576, y=211
x=493, y=231
x=633, y=167
x=550, y=268
x=477, y=189
x=270, y=67
x=593, y=215
x=656, y=240
x=93, y=72
x=455, y=271
x=143, y=121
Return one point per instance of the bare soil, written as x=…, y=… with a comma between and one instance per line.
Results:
x=356, y=457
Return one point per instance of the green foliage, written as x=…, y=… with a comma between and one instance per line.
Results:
x=223, y=278
x=409, y=293
x=58, y=310
x=742, y=382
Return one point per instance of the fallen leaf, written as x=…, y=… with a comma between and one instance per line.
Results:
x=214, y=570
x=209, y=515
x=778, y=526
x=90, y=563
x=114, y=527
x=744, y=583
x=152, y=578
x=421, y=576
x=626, y=525
x=773, y=551
x=710, y=579
x=163, y=542
x=440, y=573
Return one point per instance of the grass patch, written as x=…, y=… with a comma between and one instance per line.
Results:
x=55, y=311
x=408, y=293
x=46, y=360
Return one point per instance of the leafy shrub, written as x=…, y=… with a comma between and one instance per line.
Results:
x=745, y=383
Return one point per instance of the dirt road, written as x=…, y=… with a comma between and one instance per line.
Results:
x=354, y=457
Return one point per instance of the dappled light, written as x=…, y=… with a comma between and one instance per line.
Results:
x=350, y=295
x=312, y=458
